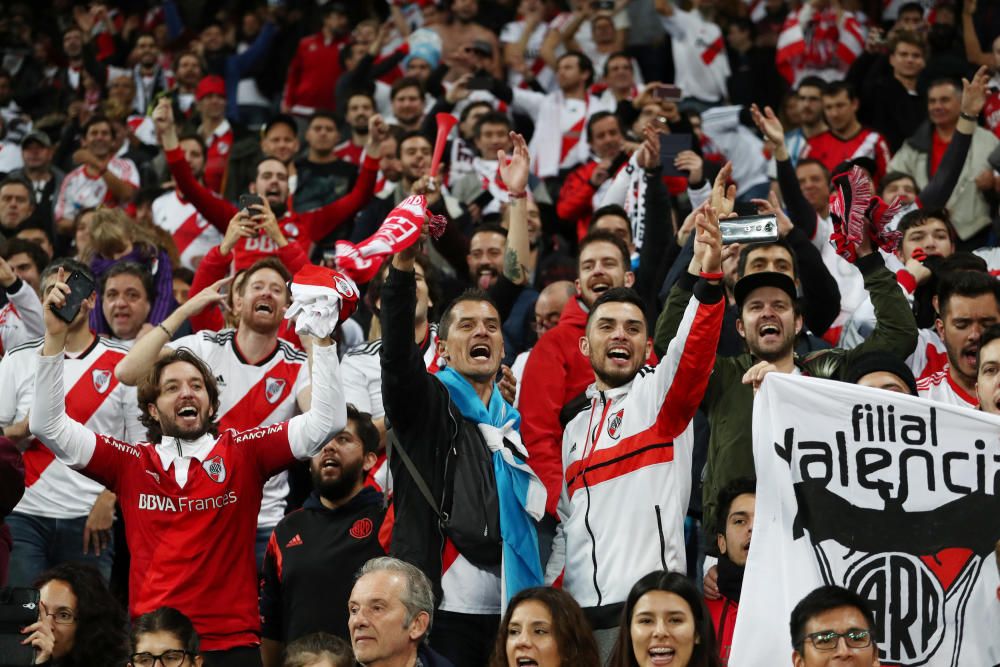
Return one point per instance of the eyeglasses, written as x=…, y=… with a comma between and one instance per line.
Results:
x=828, y=639
x=62, y=616
x=172, y=658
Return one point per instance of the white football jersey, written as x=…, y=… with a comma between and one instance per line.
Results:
x=192, y=233
x=79, y=190
x=93, y=397
x=252, y=395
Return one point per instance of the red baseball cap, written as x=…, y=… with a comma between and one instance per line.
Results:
x=210, y=85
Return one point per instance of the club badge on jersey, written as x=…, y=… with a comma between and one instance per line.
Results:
x=102, y=380
x=216, y=469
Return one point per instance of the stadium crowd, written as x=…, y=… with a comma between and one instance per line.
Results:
x=510, y=423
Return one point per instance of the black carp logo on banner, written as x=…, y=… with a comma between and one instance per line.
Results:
x=917, y=568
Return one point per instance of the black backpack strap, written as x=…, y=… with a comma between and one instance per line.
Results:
x=392, y=446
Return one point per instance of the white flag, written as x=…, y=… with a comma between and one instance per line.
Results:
x=892, y=496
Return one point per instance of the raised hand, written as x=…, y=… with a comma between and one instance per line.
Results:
x=708, y=240
x=772, y=207
x=723, y=198
x=378, y=132
x=649, y=152
x=974, y=92
x=266, y=221
x=692, y=163
x=515, y=171
x=211, y=295
x=769, y=124
x=163, y=119
x=240, y=227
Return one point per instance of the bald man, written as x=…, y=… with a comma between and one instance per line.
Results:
x=548, y=308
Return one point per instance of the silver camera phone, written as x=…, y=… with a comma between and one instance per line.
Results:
x=749, y=229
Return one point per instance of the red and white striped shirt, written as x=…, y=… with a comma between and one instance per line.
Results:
x=192, y=234
x=94, y=397
x=80, y=190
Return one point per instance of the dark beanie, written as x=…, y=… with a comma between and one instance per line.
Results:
x=873, y=362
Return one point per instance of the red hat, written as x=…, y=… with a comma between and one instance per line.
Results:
x=210, y=85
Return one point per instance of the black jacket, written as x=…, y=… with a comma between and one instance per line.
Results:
x=311, y=561
x=448, y=451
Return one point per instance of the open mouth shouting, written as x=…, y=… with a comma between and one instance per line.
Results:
x=769, y=333
x=599, y=285
x=187, y=416
x=661, y=655
x=620, y=355
x=480, y=352
x=524, y=660
x=265, y=306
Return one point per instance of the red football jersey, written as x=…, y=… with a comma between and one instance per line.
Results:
x=209, y=554
x=831, y=150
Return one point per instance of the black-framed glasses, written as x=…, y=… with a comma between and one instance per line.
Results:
x=827, y=640
x=171, y=658
x=62, y=616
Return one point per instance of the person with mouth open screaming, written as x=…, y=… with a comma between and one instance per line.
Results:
x=189, y=496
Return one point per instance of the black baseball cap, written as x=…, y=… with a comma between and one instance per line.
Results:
x=38, y=137
x=748, y=283
x=874, y=362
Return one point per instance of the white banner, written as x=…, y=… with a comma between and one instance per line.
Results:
x=894, y=497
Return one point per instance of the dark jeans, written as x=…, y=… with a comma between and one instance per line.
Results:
x=41, y=543
x=241, y=656
x=465, y=639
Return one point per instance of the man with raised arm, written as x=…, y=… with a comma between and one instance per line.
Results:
x=189, y=496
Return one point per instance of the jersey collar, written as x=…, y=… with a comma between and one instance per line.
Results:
x=170, y=449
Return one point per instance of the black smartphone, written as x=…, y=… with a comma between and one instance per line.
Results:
x=671, y=145
x=18, y=608
x=80, y=287
x=480, y=83
x=482, y=200
x=253, y=204
x=667, y=92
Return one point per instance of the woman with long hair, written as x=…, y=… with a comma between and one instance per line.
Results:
x=545, y=626
x=164, y=637
x=665, y=622
x=89, y=624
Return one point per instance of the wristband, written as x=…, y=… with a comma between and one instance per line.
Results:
x=718, y=275
x=968, y=116
x=521, y=195
x=166, y=331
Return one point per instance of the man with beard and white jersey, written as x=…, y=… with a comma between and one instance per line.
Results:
x=968, y=304
x=189, y=497
x=63, y=515
x=262, y=378
x=490, y=135
x=191, y=233
x=626, y=458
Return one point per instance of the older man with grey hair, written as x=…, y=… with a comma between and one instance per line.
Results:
x=391, y=611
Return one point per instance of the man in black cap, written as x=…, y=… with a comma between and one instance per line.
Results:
x=45, y=179
x=769, y=320
x=881, y=371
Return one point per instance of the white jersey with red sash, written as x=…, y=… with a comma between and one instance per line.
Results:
x=541, y=72
x=699, y=54
x=192, y=234
x=941, y=387
x=252, y=395
x=80, y=190
x=94, y=397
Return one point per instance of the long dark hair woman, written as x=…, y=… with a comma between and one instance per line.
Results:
x=89, y=624
x=545, y=626
x=665, y=622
